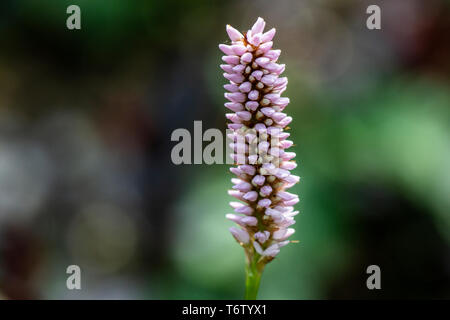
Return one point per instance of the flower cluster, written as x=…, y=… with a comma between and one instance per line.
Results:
x=263, y=166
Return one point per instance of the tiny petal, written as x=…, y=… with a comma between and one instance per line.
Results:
x=268, y=36
x=234, y=106
x=261, y=236
x=253, y=95
x=234, y=126
x=239, y=68
x=266, y=190
x=257, y=74
x=234, y=217
x=236, y=194
x=243, y=186
x=288, y=156
x=267, y=111
x=255, y=40
x=246, y=58
x=265, y=47
x=278, y=116
x=288, y=165
x=263, y=146
x=245, y=87
x=226, y=49
x=261, y=61
x=265, y=203
x=292, y=202
x=239, y=49
x=251, y=105
x=248, y=169
x=259, y=25
x=285, y=121
x=258, y=180
x=250, y=221
x=253, y=158
x=257, y=247
x=231, y=59
x=240, y=235
x=272, y=54
x=272, y=251
x=231, y=87
x=244, y=115
x=233, y=33
x=269, y=79
x=235, y=96
x=251, y=196
x=286, y=144
x=227, y=68
x=237, y=78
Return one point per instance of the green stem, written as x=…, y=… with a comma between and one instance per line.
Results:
x=253, y=277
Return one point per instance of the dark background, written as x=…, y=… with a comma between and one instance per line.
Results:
x=86, y=176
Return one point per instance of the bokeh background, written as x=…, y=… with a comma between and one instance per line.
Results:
x=85, y=170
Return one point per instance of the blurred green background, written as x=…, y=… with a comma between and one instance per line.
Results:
x=85, y=170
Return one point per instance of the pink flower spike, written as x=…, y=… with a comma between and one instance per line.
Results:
x=259, y=140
